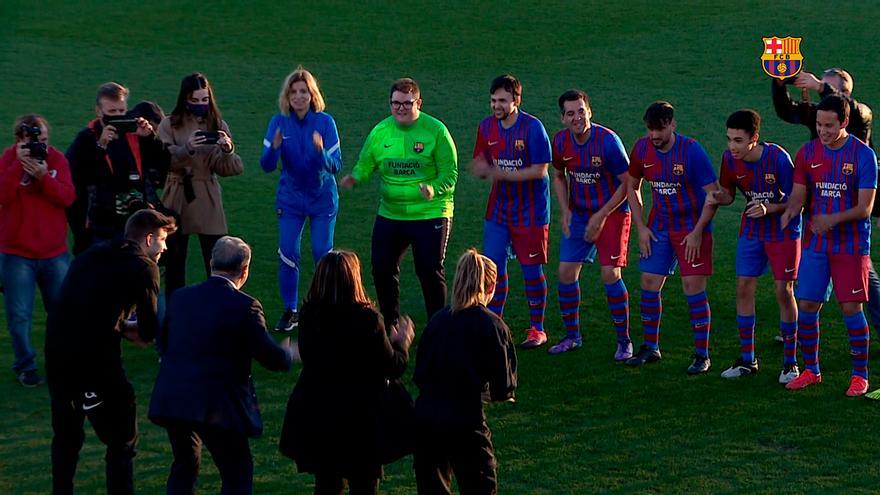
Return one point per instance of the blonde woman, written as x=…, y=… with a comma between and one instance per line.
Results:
x=465, y=356
x=305, y=139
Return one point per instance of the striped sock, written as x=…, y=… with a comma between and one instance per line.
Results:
x=652, y=311
x=788, y=329
x=808, y=339
x=618, y=303
x=496, y=305
x=701, y=322
x=536, y=294
x=746, y=326
x=859, y=339
x=569, y=307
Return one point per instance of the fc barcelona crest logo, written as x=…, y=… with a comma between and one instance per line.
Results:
x=770, y=178
x=678, y=169
x=847, y=169
x=419, y=147
x=596, y=161
x=519, y=145
x=782, y=57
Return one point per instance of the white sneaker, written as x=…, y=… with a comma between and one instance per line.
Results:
x=779, y=338
x=740, y=368
x=789, y=373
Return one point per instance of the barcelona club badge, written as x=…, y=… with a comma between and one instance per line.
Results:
x=770, y=178
x=782, y=57
x=678, y=168
x=596, y=161
x=519, y=145
x=419, y=147
x=847, y=168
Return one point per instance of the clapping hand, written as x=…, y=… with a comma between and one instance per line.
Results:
x=403, y=333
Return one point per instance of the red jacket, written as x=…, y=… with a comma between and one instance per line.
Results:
x=32, y=219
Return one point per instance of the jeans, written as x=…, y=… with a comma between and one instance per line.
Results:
x=20, y=277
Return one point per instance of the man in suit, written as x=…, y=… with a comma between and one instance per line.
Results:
x=204, y=393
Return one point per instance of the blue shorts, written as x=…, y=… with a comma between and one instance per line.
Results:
x=753, y=256
x=847, y=274
x=663, y=260
x=610, y=247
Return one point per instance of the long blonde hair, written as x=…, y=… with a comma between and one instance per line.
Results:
x=474, y=279
x=300, y=74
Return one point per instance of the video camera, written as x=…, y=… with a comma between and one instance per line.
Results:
x=37, y=149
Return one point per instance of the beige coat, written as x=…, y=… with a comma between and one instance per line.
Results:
x=204, y=215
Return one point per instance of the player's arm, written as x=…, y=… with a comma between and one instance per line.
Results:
x=539, y=153
x=365, y=165
x=634, y=196
x=705, y=177
x=725, y=194
x=597, y=219
x=446, y=161
x=821, y=224
x=560, y=189
x=532, y=172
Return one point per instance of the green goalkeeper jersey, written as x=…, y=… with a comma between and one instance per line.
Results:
x=422, y=153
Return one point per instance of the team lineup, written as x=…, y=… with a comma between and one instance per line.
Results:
x=599, y=186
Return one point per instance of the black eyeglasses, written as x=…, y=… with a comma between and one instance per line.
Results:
x=404, y=104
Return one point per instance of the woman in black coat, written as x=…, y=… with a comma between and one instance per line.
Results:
x=331, y=427
x=466, y=356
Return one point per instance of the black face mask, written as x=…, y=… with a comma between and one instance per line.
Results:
x=199, y=110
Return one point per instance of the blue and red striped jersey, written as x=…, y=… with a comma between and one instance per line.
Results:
x=525, y=143
x=592, y=168
x=677, y=178
x=833, y=179
x=767, y=180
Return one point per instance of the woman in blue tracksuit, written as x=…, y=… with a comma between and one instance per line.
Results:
x=305, y=139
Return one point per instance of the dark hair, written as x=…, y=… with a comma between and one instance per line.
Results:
x=659, y=114
x=230, y=255
x=836, y=104
x=337, y=280
x=30, y=120
x=111, y=91
x=148, y=110
x=508, y=83
x=190, y=83
x=573, y=95
x=746, y=119
x=148, y=221
x=406, y=85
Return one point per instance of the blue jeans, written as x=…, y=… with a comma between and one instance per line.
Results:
x=20, y=278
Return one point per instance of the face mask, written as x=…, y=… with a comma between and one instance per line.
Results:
x=198, y=110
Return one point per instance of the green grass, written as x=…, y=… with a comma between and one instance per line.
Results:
x=581, y=423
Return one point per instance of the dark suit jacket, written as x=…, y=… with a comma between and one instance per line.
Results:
x=212, y=332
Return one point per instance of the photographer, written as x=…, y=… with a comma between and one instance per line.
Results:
x=35, y=187
x=107, y=163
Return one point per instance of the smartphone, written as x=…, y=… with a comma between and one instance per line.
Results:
x=123, y=126
x=211, y=137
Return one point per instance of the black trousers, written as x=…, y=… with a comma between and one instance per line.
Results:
x=230, y=450
x=175, y=259
x=467, y=453
x=113, y=417
x=428, y=239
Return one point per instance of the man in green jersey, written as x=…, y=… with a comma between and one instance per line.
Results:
x=418, y=165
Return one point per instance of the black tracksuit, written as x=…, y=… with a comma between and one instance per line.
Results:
x=463, y=359
x=84, y=358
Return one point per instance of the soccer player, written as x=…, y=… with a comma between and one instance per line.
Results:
x=513, y=150
x=417, y=163
x=590, y=185
x=763, y=172
x=678, y=229
x=835, y=175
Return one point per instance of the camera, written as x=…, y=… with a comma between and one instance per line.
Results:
x=123, y=125
x=37, y=149
x=129, y=202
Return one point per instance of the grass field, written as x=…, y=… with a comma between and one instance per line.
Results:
x=581, y=424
